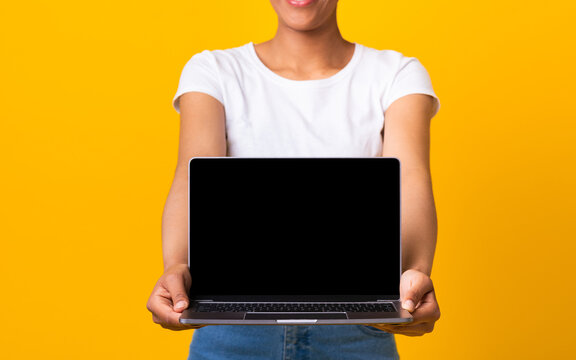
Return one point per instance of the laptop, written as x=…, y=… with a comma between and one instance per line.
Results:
x=294, y=241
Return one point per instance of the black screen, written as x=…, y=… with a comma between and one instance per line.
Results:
x=285, y=227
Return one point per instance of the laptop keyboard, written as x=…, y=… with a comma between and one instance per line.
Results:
x=295, y=307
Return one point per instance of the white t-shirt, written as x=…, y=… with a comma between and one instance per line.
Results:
x=268, y=115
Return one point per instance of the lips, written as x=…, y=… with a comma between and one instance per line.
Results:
x=300, y=3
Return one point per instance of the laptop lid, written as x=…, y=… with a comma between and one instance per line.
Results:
x=294, y=229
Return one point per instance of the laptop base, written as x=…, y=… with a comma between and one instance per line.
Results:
x=190, y=316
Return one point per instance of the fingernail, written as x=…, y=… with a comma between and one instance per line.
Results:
x=180, y=305
x=408, y=305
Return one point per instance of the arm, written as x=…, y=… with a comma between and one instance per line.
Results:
x=202, y=133
x=407, y=137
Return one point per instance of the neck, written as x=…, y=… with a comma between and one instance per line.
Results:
x=310, y=51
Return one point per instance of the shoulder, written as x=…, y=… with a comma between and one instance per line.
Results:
x=387, y=60
x=399, y=75
x=220, y=58
x=381, y=57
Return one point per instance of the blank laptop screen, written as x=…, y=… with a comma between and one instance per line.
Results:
x=294, y=227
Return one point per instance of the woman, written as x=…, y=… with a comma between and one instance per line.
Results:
x=306, y=92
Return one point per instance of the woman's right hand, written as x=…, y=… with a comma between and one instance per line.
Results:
x=169, y=298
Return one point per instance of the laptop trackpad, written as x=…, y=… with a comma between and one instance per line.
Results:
x=295, y=316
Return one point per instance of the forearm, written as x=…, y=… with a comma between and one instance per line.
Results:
x=174, y=221
x=419, y=221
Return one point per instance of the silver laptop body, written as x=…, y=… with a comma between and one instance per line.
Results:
x=294, y=241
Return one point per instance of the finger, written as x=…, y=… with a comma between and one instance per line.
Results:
x=160, y=305
x=413, y=286
x=172, y=326
x=410, y=330
x=428, y=309
x=160, y=322
x=162, y=311
x=183, y=327
x=176, y=286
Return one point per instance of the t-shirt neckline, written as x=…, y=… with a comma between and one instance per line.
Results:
x=314, y=82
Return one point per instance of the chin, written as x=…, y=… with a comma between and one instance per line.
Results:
x=302, y=27
x=305, y=18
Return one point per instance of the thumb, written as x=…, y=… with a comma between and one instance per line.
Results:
x=177, y=289
x=413, y=285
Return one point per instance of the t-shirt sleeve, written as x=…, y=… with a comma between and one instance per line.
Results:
x=410, y=78
x=199, y=74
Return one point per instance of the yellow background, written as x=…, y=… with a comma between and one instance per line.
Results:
x=88, y=140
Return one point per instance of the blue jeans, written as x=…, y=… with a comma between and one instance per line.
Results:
x=320, y=342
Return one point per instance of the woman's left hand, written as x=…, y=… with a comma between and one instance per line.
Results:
x=418, y=297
